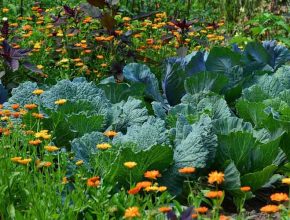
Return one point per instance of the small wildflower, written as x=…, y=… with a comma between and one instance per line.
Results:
x=216, y=177
x=93, y=181
x=194, y=215
x=187, y=170
x=130, y=164
x=132, y=212
x=103, y=146
x=144, y=184
x=60, y=102
x=270, y=209
x=223, y=217
x=153, y=174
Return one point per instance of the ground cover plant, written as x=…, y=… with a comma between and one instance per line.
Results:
x=141, y=110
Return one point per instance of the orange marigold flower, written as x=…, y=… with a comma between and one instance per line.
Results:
x=103, y=146
x=201, y=210
x=187, y=170
x=110, y=134
x=30, y=106
x=279, y=197
x=35, y=142
x=130, y=164
x=165, y=209
x=153, y=174
x=15, y=106
x=286, y=181
x=93, y=181
x=216, y=177
x=270, y=209
x=132, y=212
x=214, y=194
x=245, y=188
x=51, y=148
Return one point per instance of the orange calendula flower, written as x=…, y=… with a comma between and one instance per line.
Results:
x=216, y=177
x=194, y=215
x=144, y=184
x=134, y=190
x=38, y=115
x=130, y=164
x=153, y=174
x=270, y=209
x=245, y=188
x=201, y=210
x=223, y=217
x=164, y=209
x=37, y=91
x=187, y=170
x=214, y=194
x=30, y=106
x=15, y=106
x=286, y=181
x=79, y=162
x=60, y=102
x=35, y=142
x=279, y=197
x=93, y=181
x=103, y=146
x=132, y=212
x=51, y=148
x=110, y=134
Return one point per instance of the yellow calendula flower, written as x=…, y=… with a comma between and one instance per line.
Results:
x=286, y=181
x=51, y=148
x=15, y=159
x=103, y=146
x=37, y=91
x=24, y=161
x=60, y=102
x=130, y=164
x=79, y=162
